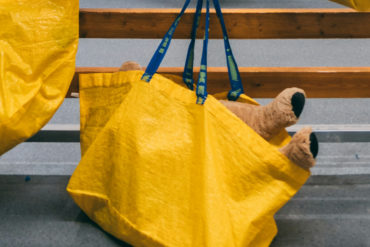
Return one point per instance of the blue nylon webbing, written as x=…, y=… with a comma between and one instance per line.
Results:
x=234, y=75
x=202, y=80
x=189, y=63
x=163, y=47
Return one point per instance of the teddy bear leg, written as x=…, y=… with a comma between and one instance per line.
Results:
x=269, y=120
x=130, y=65
x=302, y=149
x=282, y=112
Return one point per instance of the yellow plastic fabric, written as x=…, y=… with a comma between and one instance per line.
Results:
x=38, y=43
x=159, y=170
x=361, y=5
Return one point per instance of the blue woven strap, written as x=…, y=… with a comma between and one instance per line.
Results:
x=158, y=56
x=234, y=75
x=189, y=63
x=202, y=80
x=201, y=91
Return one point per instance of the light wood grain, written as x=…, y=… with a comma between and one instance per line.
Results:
x=266, y=82
x=241, y=23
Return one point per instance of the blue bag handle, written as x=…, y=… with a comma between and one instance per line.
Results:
x=201, y=91
x=163, y=47
x=202, y=79
x=189, y=63
x=234, y=75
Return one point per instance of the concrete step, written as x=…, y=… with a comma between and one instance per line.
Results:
x=334, y=159
x=326, y=133
x=326, y=215
x=321, y=231
x=37, y=211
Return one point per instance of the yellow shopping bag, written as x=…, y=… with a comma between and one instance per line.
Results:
x=361, y=5
x=38, y=43
x=165, y=166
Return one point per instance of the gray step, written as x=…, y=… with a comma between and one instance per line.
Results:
x=326, y=216
x=325, y=133
x=335, y=160
x=40, y=213
x=323, y=232
x=37, y=211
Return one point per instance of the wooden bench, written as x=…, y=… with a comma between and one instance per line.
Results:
x=259, y=82
x=262, y=82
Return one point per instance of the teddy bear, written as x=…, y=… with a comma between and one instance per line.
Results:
x=271, y=119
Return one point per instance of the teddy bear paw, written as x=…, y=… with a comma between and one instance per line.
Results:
x=303, y=148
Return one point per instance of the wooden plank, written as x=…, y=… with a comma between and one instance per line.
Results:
x=241, y=23
x=265, y=82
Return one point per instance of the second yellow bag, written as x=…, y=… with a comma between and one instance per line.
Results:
x=38, y=45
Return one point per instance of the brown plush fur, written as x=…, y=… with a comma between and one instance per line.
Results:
x=269, y=120
x=130, y=65
x=298, y=149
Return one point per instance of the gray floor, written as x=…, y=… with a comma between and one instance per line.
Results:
x=331, y=210
x=38, y=212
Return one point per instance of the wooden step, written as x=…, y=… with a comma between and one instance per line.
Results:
x=241, y=23
x=268, y=82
